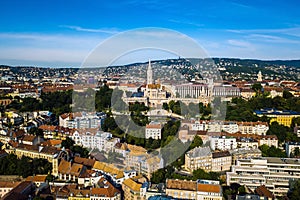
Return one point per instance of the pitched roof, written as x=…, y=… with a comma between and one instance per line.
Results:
x=47, y=127
x=221, y=154
x=132, y=184
x=181, y=184
x=37, y=178
x=263, y=191
x=84, y=161
x=28, y=138
x=106, y=189
x=8, y=184
x=209, y=188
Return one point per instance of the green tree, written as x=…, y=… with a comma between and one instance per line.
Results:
x=67, y=143
x=165, y=106
x=286, y=94
x=256, y=87
x=294, y=192
x=197, y=142
x=271, y=151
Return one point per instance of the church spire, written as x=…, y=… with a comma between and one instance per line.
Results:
x=149, y=74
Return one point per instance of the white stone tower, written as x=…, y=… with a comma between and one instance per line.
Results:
x=259, y=77
x=149, y=74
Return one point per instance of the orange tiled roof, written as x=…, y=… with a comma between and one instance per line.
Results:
x=181, y=184
x=37, y=178
x=110, y=191
x=132, y=184
x=47, y=127
x=8, y=184
x=209, y=188
x=28, y=138
x=84, y=161
x=263, y=191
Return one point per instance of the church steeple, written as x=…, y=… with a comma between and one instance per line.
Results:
x=149, y=74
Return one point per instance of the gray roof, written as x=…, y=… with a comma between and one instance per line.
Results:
x=199, y=152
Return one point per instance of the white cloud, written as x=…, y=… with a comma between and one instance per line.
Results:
x=102, y=30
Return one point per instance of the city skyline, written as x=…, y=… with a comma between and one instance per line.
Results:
x=51, y=34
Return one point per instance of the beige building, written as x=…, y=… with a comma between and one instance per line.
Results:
x=133, y=190
x=256, y=128
x=270, y=140
x=244, y=153
x=203, y=158
x=274, y=173
x=47, y=152
x=144, y=163
x=181, y=189
x=198, y=158
x=221, y=161
x=197, y=190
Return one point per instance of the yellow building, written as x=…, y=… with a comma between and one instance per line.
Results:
x=133, y=190
x=285, y=120
x=33, y=151
x=282, y=117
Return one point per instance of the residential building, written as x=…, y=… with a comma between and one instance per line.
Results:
x=134, y=190
x=138, y=159
x=230, y=127
x=291, y=148
x=203, y=158
x=92, y=138
x=105, y=191
x=209, y=190
x=245, y=142
x=221, y=161
x=198, y=158
x=197, y=190
x=33, y=151
x=69, y=171
x=223, y=143
x=269, y=140
x=244, y=153
x=81, y=120
x=116, y=175
x=274, y=173
x=257, y=128
x=181, y=189
x=153, y=130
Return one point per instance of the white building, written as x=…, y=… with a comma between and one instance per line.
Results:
x=153, y=130
x=230, y=127
x=93, y=139
x=81, y=120
x=257, y=128
x=209, y=189
x=290, y=148
x=274, y=173
x=223, y=143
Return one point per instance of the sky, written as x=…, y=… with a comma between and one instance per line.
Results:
x=64, y=33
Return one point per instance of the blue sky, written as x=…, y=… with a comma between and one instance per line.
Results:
x=62, y=33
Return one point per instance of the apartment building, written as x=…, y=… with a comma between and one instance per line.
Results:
x=134, y=190
x=153, y=130
x=198, y=158
x=274, y=173
x=244, y=153
x=223, y=143
x=203, y=158
x=198, y=190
